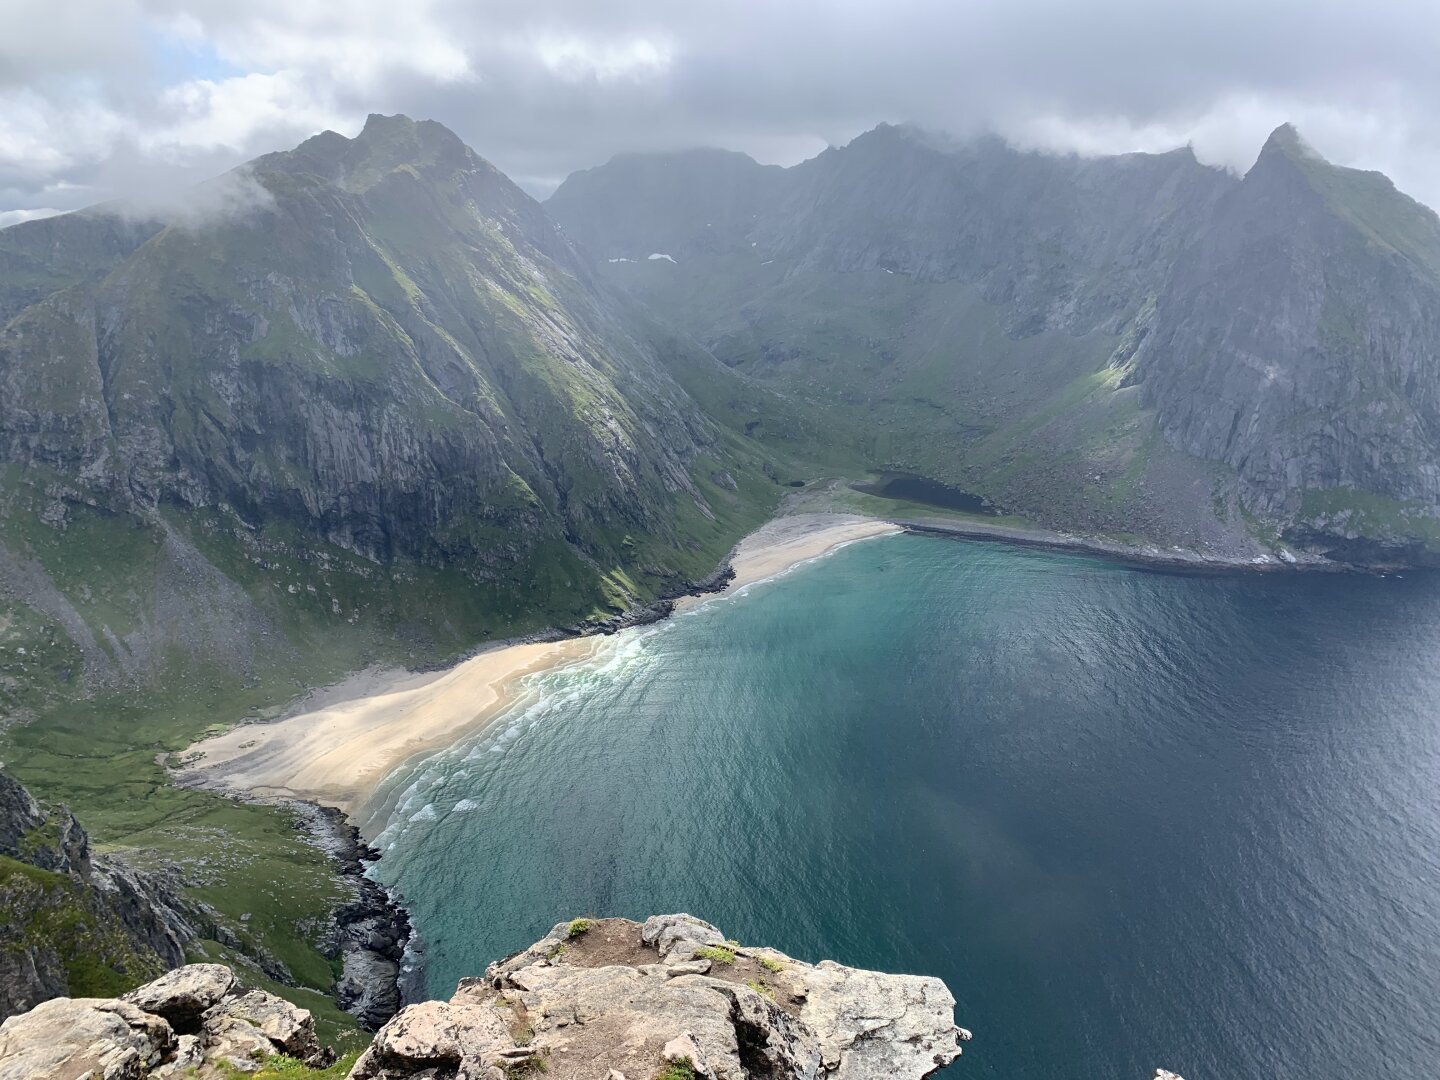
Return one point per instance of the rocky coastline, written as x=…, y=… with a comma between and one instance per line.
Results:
x=370, y=933
x=1173, y=558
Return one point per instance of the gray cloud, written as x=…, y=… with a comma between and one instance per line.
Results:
x=100, y=98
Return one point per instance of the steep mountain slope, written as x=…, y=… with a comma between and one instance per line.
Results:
x=1297, y=341
x=1069, y=336
x=367, y=372
x=356, y=403
x=41, y=257
x=390, y=347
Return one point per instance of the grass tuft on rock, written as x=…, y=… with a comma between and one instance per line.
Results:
x=715, y=953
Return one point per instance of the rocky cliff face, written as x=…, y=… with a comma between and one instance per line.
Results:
x=74, y=922
x=1297, y=341
x=1076, y=338
x=604, y=998
x=379, y=344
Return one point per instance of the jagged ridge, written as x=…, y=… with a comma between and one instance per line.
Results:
x=1075, y=338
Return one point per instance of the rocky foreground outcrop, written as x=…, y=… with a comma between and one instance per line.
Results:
x=191, y=1022
x=604, y=999
x=611, y=999
x=607, y=999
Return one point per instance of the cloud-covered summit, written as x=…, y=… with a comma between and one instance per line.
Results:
x=114, y=98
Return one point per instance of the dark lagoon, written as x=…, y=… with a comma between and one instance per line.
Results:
x=1133, y=818
x=920, y=489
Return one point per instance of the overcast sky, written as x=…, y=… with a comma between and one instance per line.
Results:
x=113, y=97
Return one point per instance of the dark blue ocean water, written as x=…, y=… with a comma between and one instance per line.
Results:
x=1132, y=818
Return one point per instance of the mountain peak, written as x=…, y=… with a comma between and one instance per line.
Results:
x=383, y=144
x=398, y=134
x=377, y=123
x=1286, y=140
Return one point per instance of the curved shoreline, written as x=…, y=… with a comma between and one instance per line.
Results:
x=338, y=744
x=1151, y=555
x=341, y=742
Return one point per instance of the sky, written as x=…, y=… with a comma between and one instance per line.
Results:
x=107, y=98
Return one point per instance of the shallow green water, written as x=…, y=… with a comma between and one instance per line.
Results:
x=1133, y=818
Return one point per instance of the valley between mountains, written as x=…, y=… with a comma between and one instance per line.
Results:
x=367, y=403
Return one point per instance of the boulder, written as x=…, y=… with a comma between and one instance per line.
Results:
x=684, y=1050
x=434, y=1034
x=235, y=1043
x=676, y=937
x=183, y=995
x=287, y=1027
x=184, y=1061
x=873, y=1024
x=690, y=967
x=83, y=1039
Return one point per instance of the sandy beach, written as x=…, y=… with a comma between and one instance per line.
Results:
x=343, y=740
x=786, y=542
x=337, y=754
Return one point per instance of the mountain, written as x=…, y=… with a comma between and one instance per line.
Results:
x=380, y=341
x=1137, y=345
x=355, y=403
x=352, y=366
x=1297, y=342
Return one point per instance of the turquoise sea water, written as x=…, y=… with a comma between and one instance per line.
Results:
x=1133, y=818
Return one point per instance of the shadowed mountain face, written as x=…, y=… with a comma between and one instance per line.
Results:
x=381, y=339
x=1137, y=343
x=1298, y=339
x=357, y=403
x=376, y=347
